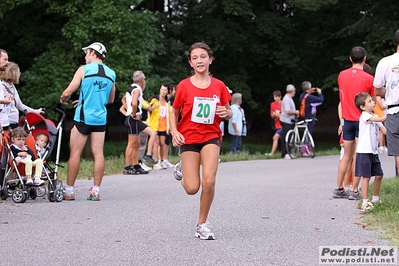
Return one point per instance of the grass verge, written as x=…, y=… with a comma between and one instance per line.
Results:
x=385, y=216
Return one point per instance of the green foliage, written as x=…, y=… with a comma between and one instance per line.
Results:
x=259, y=46
x=130, y=36
x=311, y=5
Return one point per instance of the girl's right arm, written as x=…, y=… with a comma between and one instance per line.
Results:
x=177, y=137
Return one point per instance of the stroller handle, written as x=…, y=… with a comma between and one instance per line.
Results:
x=26, y=111
x=62, y=113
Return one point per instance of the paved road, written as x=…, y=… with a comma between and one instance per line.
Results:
x=269, y=212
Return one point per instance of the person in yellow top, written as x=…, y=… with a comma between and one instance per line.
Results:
x=380, y=109
x=144, y=134
x=159, y=122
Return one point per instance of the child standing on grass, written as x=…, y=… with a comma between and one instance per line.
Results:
x=367, y=161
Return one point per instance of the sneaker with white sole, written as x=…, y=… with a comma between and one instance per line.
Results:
x=366, y=206
x=354, y=195
x=167, y=164
x=158, y=166
x=145, y=167
x=340, y=193
x=69, y=194
x=287, y=157
x=140, y=171
x=29, y=181
x=376, y=202
x=129, y=170
x=38, y=181
x=177, y=171
x=94, y=195
x=204, y=232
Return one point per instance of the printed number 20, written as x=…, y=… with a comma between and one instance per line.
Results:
x=204, y=110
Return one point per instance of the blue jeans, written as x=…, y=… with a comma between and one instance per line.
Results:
x=235, y=143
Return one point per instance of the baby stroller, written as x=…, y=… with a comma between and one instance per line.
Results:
x=34, y=124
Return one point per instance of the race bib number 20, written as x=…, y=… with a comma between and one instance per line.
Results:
x=204, y=110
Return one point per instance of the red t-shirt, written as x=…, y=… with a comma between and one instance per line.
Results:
x=273, y=108
x=193, y=132
x=351, y=81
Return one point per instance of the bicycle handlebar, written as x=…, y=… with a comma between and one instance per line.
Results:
x=307, y=121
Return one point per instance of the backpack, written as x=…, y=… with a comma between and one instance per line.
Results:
x=303, y=105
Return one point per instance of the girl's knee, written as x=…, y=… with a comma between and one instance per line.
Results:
x=208, y=184
x=191, y=190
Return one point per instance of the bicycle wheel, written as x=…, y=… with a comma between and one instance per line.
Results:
x=308, y=146
x=291, y=143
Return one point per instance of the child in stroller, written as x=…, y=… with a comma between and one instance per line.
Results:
x=23, y=154
x=41, y=144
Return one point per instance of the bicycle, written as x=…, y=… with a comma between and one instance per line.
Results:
x=296, y=144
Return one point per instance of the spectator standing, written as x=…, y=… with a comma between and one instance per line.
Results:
x=144, y=134
x=8, y=76
x=275, y=113
x=380, y=110
x=287, y=117
x=3, y=59
x=171, y=93
x=9, y=79
x=222, y=127
x=159, y=122
x=348, y=177
x=4, y=102
x=237, y=124
x=351, y=81
x=367, y=162
x=311, y=102
x=132, y=109
x=387, y=86
x=97, y=89
x=198, y=132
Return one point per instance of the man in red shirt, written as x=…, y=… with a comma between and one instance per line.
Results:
x=351, y=81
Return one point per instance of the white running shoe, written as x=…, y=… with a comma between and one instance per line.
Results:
x=38, y=181
x=163, y=165
x=177, y=171
x=204, y=232
x=158, y=166
x=287, y=157
x=167, y=164
x=145, y=167
x=366, y=206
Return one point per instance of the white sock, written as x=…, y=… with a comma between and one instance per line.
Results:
x=375, y=198
x=365, y=202
x=96, y=188
x=68, y=187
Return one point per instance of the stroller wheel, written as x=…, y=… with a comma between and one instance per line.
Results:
x=33, y=193
x=41, y=191
x=58, y=184
x=51, y=196
x=54, y=184
x=4, y=193
x=58, y=195
x=18, y=196
x=26, y=196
